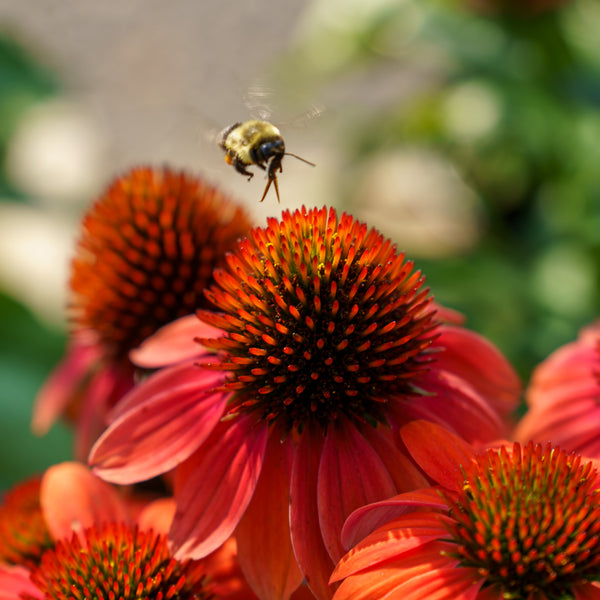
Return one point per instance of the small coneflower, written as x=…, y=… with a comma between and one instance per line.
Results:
x=75, y=536
x=117, y=561
x=512, y=522
x=329, y=342
x=147, y=249
x=563, y=397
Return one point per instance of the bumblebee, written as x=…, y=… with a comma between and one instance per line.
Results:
x=258, y=143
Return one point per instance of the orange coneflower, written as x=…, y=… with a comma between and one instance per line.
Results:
x=73, y=535
x=329, y=342
x=146, y=252
x=512, y=522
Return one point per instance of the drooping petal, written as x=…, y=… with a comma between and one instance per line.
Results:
x=454, y=404
x=368, y=518
x=106, y=387
x=263, y=535
x=166, y=419
x=173, y=343
x=72, y=499
x=63, y=384
x=476, y=360
x=226, y=578
x=437, y=451
x=404, y=472
x=424, y=575
x=15, y=581
x=351, y=474
x=312, y=556
x=157, y=515
x=390, y=542
x=214, y=487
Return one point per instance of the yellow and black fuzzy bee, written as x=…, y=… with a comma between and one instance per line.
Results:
x=258, y=143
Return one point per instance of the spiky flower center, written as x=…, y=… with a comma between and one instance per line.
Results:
x=529, y=521
x=117, y=562
x=24, y=535
x=323, y=318
x=147, y=251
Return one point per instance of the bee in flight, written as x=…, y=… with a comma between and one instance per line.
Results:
x=258, y=143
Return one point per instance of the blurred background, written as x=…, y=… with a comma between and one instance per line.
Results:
x=466, y=130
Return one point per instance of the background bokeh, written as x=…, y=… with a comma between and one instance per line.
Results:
x=467, y=131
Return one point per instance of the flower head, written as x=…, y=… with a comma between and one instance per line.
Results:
x=120, y=562
x=147, y=250
x=324, y=319
x=519, y=522
x=77, y=536
x=563, y=397
x=328, y=343
x=24, y=535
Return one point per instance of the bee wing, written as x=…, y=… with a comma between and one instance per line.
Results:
x=258, y=98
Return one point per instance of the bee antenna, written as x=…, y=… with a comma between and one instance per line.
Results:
x=300, y=158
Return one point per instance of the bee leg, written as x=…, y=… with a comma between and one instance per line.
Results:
x=240, y=167
x=271, y=180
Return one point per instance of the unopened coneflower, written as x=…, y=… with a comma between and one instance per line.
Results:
x=519, y=522
x=146, y=251
x=329, y=342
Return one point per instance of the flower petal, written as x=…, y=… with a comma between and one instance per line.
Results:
x=437, y=451
x=106, y=387
x=390, y=541
x=72, y=499
x=214, y=487
x=62, y=385
x=351, y=474
x=173, y=343
x=263, y=535
x=167, y=418
x=454, y=404
x=475, y=359
x=15, y=582
x=423, y=575
x=368, y=518
x=157, y=515
x=312, y=556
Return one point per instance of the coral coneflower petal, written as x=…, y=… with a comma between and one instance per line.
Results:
x=437, y=451
x=351, y=474
x=161, y=429
x=104, y=386
x=368, y=518
x=157, y=515
x=312, y=556
x=390, y=541
x=464, y=410
x=405, y=474
x=15, y=582
x=473, y=358
x=173, y=343
x=214, y=487
x=54, y=396
x=73, y=499
x=265, y=552
x=426, y=574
